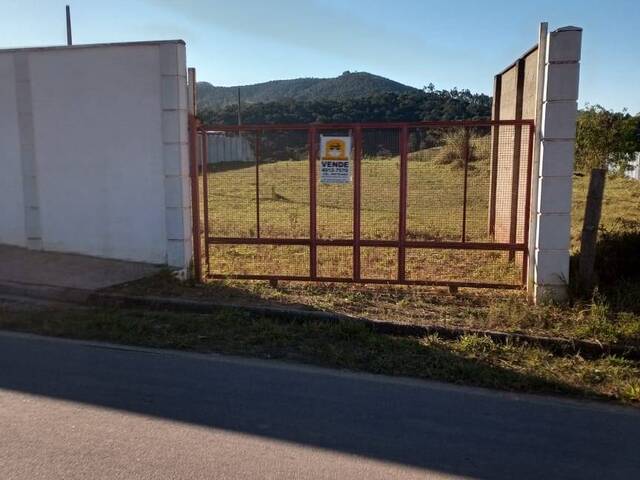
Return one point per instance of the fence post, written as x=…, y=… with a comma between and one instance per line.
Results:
x=402, y=234
x=527, y=206
x=495, y=149
x=356, y=200
x=205, y=195
x=532, y=220
x=515, y=164
x=257, y=153
x=193, y=172
x=465, y=183
x=195, y=199
x=313, y=249
x=592, y=212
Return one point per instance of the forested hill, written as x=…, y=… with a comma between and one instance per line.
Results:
x=416, y=105
x=346, y=86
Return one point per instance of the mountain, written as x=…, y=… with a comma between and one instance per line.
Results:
x=347, y=86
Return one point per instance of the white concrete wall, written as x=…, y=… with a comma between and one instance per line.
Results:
x=555, y=174
x=12, y=212
x=99, y=133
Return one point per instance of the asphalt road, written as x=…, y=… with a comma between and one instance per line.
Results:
x=79, y=410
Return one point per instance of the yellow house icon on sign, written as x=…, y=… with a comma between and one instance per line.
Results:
x=335, y=149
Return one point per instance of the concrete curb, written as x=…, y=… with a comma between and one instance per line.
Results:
x=45, y=292
x=561, y=346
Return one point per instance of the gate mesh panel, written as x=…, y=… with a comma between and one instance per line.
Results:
x=380, y=184
x=462, y=266
x=435, y=184
x=283, y=183
x=463, y=184
x=290, y=260
x=231, y=166
x=334, y=202
x=379, y=263
x=335, y=262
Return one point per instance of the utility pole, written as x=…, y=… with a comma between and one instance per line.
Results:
x=69, y=40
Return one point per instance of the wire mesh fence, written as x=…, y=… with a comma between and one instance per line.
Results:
x=421, y=203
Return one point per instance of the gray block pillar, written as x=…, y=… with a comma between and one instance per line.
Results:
x=555, y=173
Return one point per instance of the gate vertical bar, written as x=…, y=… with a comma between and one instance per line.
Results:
x=495, y=151
x=205, y=194
x=402, y=220
x=313, y=248
x=465, y=184
x=195, y=199
x=257, y=147
x=527, y=207
x=357, y=165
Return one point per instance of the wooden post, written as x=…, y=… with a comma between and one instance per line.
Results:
x=592, y=212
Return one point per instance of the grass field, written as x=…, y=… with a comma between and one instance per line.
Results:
x=621, y=206
x=613, y=315
x=434, y=212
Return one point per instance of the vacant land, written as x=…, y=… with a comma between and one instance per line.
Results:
x=435, y=209
x=613, y=315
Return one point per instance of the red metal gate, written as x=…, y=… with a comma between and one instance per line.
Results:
x=427, y=203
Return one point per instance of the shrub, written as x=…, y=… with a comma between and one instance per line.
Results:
x=617, y=252
x=453, y=150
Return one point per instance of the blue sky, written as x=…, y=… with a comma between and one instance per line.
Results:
x=462, y=43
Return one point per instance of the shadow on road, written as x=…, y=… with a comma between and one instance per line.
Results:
x=438, y=428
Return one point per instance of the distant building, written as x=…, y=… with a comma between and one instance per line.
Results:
x=224, y=148
x=634, y=170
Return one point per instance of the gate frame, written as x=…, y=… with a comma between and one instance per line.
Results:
x=401, y=243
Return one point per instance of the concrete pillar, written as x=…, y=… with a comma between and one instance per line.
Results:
x=555, y=173
x=175, y=148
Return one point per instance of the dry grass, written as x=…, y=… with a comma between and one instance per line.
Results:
x=621, y=204
x=434, y=212
x=612, y=316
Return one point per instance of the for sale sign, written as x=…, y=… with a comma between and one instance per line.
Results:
x=335, y=159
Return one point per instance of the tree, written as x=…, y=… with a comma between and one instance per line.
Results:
x=381, y=107
x=605, y=140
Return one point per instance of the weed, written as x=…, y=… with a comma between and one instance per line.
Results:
x=474, y=360
x=477, y=345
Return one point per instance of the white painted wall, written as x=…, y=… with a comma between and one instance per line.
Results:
x=107, y=125
x=12, y=228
